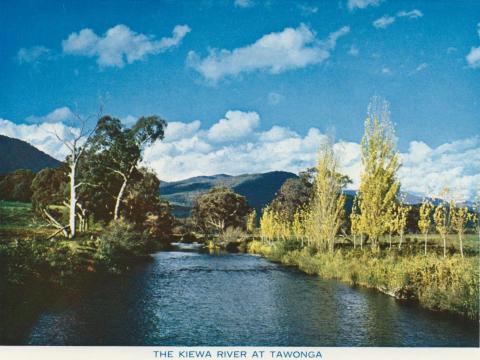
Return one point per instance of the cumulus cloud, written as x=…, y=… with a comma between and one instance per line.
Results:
x=387, y=20
x=455, y=165
x=292, y=48
x=33, y=54
x=473, y=57
x=188, y=150
x=120, y=45
x=63, y=114
x=235, y=125
x=42, y=136
x=362, y=4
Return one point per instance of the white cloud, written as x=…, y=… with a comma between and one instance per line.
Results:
x=63, y=114
x=362, y=4
x=33, y=54
x=243, y=3
x=42, y=136
x=455, y=165
x=413, y=14
x=387, y=20
x=120, y=45
x=473, y=57
x=235, y=125
x=384, y=22
x=188, y=150
x=274, y=52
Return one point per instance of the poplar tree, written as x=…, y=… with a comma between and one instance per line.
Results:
x=425, y=221
x=401, y=221
x=460, y=217
x=328, y=203
x=378, y=183
x=442, y=224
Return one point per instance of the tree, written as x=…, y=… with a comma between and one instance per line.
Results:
x=119, y=150
x=293, y=194
x=328, y=202
x=355, y=224
x=460, y=218
x=16, y=186
x=267, y=224
x=74, y=141
x=49, y=188
x=442, y=224
x=219, y=208
x=391, y=221
x=401, y=221
x=252, y=221
x=378, y=183
x=425, y=221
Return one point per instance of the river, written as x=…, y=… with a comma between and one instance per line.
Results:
x=193, y=298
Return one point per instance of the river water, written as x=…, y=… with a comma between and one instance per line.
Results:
x=193, y=298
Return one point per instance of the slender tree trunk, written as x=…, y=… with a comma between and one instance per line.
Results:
x=361, y=241
x=390, y=239
x=426, y=239
x=461, y=244
x=444, y=246
x=73, y=200
x=354, y=241
x=401, y=240
x=119, y=200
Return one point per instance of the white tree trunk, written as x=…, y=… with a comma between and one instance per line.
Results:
x=73, y=200
x=116, y=213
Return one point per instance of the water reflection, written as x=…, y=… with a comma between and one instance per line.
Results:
x=191, y=298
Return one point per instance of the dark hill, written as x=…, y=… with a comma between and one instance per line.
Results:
x=259, y=189
x=17, y=154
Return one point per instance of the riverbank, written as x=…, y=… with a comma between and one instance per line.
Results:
x=450, y=284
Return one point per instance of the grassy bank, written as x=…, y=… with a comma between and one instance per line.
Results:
x=450, y=284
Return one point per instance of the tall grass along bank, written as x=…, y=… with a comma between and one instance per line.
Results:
x=450, y=284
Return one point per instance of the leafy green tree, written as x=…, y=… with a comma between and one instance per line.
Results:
x=293, y=194
x=16, y=186
x=218, y=209
x=378, y=185
x=118, y=150
x=49, y=191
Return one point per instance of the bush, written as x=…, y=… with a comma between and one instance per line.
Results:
x=119, y=244
x=232, y=234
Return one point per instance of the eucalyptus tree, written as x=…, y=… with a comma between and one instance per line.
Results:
x=118, y=150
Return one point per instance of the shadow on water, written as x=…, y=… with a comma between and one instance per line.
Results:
x=191, y=298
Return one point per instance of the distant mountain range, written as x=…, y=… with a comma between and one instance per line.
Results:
x=17, y=154
x=259, y=189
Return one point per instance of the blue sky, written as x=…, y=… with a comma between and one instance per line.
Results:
x=198, y=60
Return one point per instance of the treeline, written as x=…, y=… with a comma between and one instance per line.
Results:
x=313, y=208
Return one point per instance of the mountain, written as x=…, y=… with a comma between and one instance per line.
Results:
x=17, y=154
x=259, y=189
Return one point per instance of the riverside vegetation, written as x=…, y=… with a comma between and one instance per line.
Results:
x=98, y=213
x=370, y=245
